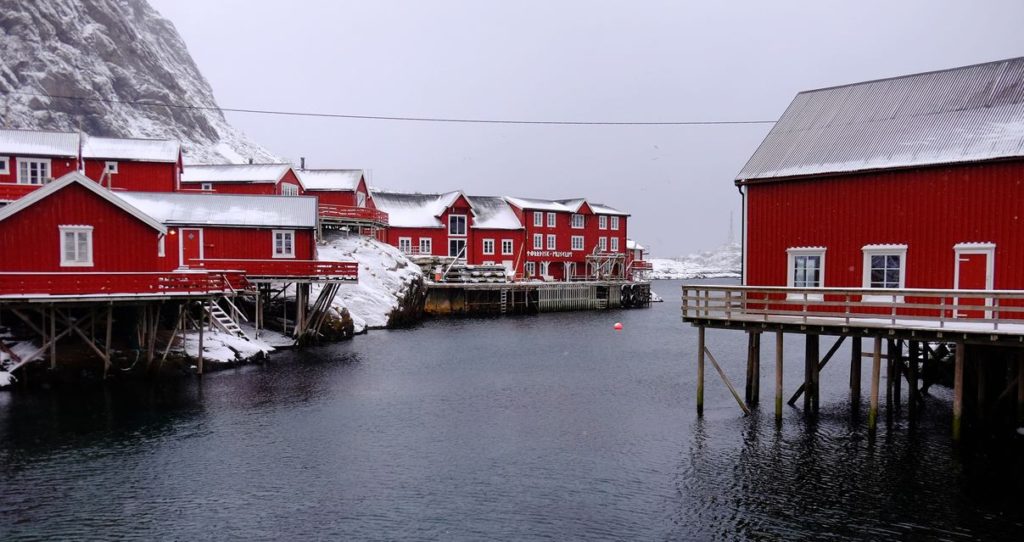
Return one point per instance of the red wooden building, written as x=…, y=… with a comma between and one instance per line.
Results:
x=344, y=199
x=908, y=182
x=149, y=165
x=428, y=224
x=32, y=158
x=253, y=179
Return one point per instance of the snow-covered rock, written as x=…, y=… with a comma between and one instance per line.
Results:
x=723, y=262
x=385, y=275
x=225, y=347
x=117, y=51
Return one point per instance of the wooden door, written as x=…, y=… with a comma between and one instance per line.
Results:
x=972, y=273
x=191, y=246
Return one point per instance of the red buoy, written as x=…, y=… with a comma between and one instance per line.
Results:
x=618, y=326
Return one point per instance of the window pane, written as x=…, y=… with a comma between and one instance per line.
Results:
x=69, y=246
x=83, y=247
x=877, y=278
x=892, y=278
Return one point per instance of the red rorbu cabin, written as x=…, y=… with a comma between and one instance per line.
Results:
x=428, y=224
x=148, y=165
x=253, y=179
x=32, y=158
x=344, y=198
x=496, y=234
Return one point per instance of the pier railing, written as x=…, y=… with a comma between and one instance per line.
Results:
x=329, y=211
x=256, y=269
x=978, y=310
x=27, y=285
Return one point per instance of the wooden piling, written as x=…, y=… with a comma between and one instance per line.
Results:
x=53, y=337
x=981, y=405
x=202, y=317
x=855, y=360
x=913, y=394
x=107, y=338
x=753, y=385
x=876, y=373
x=757, y=368
x=811, y=373
x=778, y=376
x=897, y=369
x=1020, y=390
x=700, y=370
x=958, y=390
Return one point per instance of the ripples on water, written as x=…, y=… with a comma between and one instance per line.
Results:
x=550, y=427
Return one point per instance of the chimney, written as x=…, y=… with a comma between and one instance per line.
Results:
x=302, y=162
x=250, y=160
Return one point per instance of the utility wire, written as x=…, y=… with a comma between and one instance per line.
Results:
x=391, y=118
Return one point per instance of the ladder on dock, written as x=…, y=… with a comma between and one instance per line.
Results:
x=223, y=320
x=504, y=300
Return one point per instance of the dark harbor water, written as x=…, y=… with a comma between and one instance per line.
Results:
x=552, y=427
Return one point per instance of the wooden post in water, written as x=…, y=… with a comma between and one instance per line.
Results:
x=855, y=359
x=1020, y=389
x=980, y=370
x=778, y=376
x=876, y=373
x=107, y=338
x=912, y=395
x=202, y=324
x=753, y=367
x=700, y=370
x=958, y=390
x=53, y=337
x=897, y=372
x=757, y=368
x=811, y=352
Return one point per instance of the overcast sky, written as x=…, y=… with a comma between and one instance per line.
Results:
x=572, y=60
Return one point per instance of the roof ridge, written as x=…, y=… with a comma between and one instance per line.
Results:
x=908, y=75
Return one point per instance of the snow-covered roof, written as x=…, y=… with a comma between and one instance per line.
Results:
x=633, y=245
x=186, y=209
x=538, y=204
x=961, y=114
x=39, y=143
x=414, y=210
x=76, y=177
x=234, y=173
x=330, y=179
x=493, y=213
x=143, y=150
x=601, y=209
x=573, y=204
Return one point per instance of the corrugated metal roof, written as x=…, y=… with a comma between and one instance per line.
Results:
x=538, y=204
x=175, y=208
x=38, y=143
x=493, y=213
x=602, y=209
x=330, y=179
x=962, y=114
x=145, y=150
x=234, y=173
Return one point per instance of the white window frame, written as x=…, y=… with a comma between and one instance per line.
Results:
x=544, y=268
x=289, y=189
x=530, y=269
x=552, y=221
x=614, y=244
x=76, y=230
x=578, y=221
x=426, y=246
x=24, y=162
x=577, y=242
x=465, y=225
x=602, y=244
x=207, y=187
x=538, y=241
x=883, y=250
x=507, y=247
x=615, y=223
x=161, y=246
x=110, y=167
x=791, y=255
x=360, y=199
x=405, y=245
x=488, y=247
x=455, y=253
x=538, y=219
x=5, y=165
x=602, y=222
x=552, y=241
x=285, y=234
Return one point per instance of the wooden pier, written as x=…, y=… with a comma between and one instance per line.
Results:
x=476, y=299
x=976, y=335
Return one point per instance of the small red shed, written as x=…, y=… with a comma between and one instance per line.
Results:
x=150, y=165
x=253, y=179
x=32, y=158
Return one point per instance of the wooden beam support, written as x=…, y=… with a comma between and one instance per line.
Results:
x=914, y=394
x=855, y=359
x=811, y=350
x=958, y=390
x=700, y=371
x=753, y=367
x=778, y=376
x=728, y=384
x=1020, y=390
x=53, y=333
x=108, y=338
x=876, y=373
x=202, y=316
x=828, y=356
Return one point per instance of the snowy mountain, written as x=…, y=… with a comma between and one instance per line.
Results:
x=723, y=262
x=117, y=51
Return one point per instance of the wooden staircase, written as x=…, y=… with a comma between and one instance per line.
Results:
x=223, y=321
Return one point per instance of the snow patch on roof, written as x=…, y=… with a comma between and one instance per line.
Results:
x=330, y=179
x=183, y=209
x=538, y=204
x=414, y=210
x=143, y=150
x=601, y=209
x=234, y=173
x=493, y=213
x=39, y=143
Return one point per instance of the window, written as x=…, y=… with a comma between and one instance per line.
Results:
x=207, y=187
x=577, y=222
x=602, y=222
x=506, y=247
x=615, y=242
x=284, y=243
x=405, y=244
x=33, y=170
x=426, y=246
x=544, y=268
x=806, y=267
x=551, y=220
x=538, y=219
x=488, y=246
x=538, y=241
x=577, y=242
x=360, y=199
x=602, y=244
x=884, y=268
x=551, y=242
x=530, y=269
x=5, y=165
x=289, y=189
x=75, y=246
x=456, y=224
x=615, y=222
x=457, y=248
x=161, y=246
x=110, y=167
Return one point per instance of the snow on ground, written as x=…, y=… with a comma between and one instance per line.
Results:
x=224, y=347
x=6, y=379
x=723, y=262
x=22, y=349
x=384, y=276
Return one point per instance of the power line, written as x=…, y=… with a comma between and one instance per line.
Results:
x=390, y=118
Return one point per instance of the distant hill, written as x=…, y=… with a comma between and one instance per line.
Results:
x=117, y=50
x=723, y=262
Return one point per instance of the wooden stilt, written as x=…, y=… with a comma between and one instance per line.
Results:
x=757, y=368
x=202, y=325
x=259, y=310
x=151, y=336
x=811, y=372
x=855, y=359
x=981, y=370
x=53, y=333
x=897, y=369
x=958, y=390
x=700, y=371
x=107, y=339
x=753, y=367
x=748, y=391
x=914, y=393
x=876, y=373
x=728, y=384
x=174, y=333
x=778, y=376
x=1020, y=390
x=828, y=356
